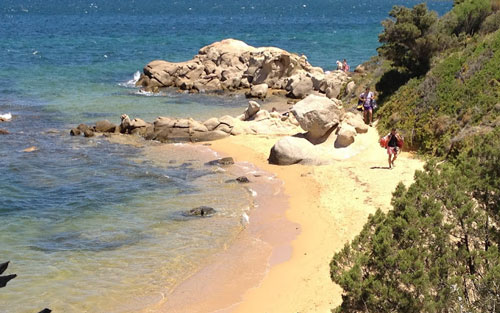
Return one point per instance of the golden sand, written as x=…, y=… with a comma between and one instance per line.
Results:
x=329, y=204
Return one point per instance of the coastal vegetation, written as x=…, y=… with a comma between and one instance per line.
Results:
x=438, y=249
x=443, y=81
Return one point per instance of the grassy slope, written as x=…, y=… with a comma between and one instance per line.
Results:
x=458, y=97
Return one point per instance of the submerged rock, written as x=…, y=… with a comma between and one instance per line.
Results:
x=242, y=179
x=4, y=132
x=202, y=211
x=223, y=161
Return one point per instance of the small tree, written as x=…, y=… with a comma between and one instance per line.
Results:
x=407, y=39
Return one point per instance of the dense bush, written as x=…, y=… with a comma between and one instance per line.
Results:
x=438, y=249
x=469, y=14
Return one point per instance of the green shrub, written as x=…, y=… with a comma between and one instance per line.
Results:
x=469, y=15
x=491, y=23
x=438, y=249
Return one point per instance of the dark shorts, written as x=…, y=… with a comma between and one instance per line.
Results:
x=367, y=108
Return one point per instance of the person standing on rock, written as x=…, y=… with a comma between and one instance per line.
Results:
x=367, y=100
x=393, y=145
x=345, y=66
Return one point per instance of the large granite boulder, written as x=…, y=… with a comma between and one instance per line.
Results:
x=291, y=150
x=317, y=114
x=258, y=91
x=345, y=136
x=301, y=86
x=356, y=121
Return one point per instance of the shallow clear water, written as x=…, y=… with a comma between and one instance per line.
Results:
x=90, y=225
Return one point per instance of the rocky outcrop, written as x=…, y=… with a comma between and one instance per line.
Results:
x=169, y=129
x=232, y=64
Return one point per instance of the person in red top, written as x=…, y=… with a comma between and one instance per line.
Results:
x=345, y=66
x=394, y=144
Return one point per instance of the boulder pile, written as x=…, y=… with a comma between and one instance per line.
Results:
x=232, y=65
x=328, y=128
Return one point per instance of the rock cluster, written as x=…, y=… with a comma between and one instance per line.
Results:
x=232, y=64
x=326, y=124
x=254, y=120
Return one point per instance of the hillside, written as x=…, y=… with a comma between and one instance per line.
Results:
x=437, y=250
x=438, y=79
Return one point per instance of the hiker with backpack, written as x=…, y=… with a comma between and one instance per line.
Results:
x=393, y=142
x=367, y=98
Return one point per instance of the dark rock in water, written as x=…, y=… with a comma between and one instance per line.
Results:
x=88, y=133
x=203, y=211
x=5, y=279
x=223, y=161
x=75, y=132
x=105, y=126
x=4, y=266
x=242, y=179
x=4, y=132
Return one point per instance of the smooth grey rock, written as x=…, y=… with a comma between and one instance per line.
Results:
x=317, y=114
x=253, y=107
x=259, y=91
x=302, y=88
x=290, y=150
x=345, y=136
x=211, y=123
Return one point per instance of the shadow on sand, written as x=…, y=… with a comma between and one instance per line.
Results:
x=380, y=168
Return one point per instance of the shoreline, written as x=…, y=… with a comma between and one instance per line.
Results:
x=246, y=259
x=330, y=203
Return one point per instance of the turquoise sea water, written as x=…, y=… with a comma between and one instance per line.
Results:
x=88, y=223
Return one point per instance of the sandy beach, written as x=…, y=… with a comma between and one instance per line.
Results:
x=330, y=204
